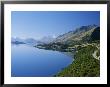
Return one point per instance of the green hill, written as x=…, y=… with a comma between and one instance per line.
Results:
x=84, y=44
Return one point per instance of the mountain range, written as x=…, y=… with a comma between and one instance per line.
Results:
x=79, y=35
x=82, y=35
x=32, y=41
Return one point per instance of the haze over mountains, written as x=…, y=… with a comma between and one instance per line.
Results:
x=81, y=34
x=32, y=41
x=78, y=34
x=82, y=44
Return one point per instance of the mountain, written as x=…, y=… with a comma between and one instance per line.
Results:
x=17, y=41
x=82, y=43
x=80, y=34
x=95, y=34
x=30, y=41
x=72, y=39
x=47, y=39
x=13, y=39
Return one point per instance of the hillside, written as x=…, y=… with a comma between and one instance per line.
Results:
x=79, y=35
x=84, y=44
x=84, y=65
x=82, y=35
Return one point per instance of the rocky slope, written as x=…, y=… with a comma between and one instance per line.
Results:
x=72, y=39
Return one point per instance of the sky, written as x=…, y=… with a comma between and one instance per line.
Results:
x=38, y=24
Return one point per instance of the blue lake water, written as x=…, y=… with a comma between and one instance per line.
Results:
x=28, y=61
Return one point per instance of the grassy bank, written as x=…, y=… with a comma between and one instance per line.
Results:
x=84, y=65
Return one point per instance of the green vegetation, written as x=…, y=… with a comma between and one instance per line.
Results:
x=84, y=65
x=54, y=46
x=98, y=53
x=84, y=43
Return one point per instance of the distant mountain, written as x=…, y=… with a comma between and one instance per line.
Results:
x=13, y=39
x=17, y=42
x=29, y=41
x=47, y=39
x=82, y=33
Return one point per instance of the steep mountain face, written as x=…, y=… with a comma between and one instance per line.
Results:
x=95, y=34
x=81, y=34
x=84, y=45
x=67, y=42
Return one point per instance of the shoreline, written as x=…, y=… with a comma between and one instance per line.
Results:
x=83, y=64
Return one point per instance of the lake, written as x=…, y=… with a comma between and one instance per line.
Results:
x=28, y=61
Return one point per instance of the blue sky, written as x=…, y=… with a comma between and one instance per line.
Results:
x=37, y=24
